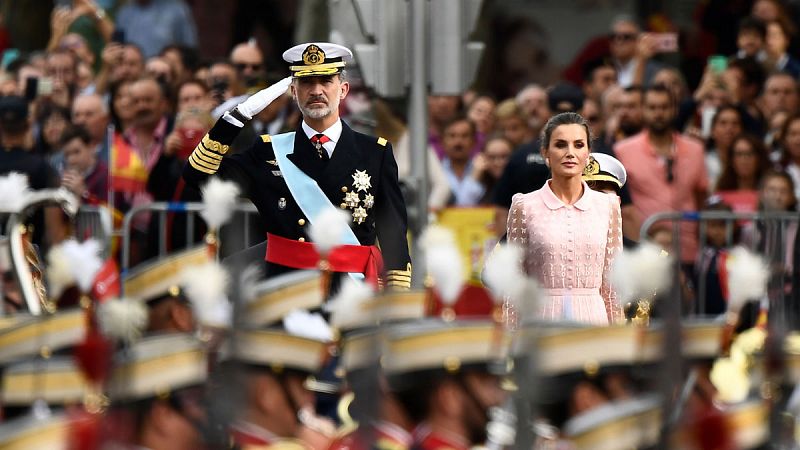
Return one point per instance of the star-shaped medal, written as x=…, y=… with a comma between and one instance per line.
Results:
x=361, y=180
x=359, y=215
x=369, y=201
x=351, y=199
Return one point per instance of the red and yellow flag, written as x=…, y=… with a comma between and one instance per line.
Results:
x=128, y=172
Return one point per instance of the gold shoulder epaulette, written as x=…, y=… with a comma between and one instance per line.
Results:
x=382, y=142
x=266, y=138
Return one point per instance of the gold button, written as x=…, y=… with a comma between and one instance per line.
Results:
x=343, y=206
x=344, y=188
x=301, y=222
x=452, y=364
x=302, y=239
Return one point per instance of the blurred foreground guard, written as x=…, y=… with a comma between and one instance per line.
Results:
x=443, y=375
x=50, y=433
x=271, y=363
x=324, y=165
x=158, y=285
x=372, y=415
x=273, y=366
x=157, y=394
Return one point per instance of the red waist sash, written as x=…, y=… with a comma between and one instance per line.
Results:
x=365, y=259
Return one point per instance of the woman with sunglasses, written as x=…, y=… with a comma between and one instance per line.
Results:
x=570, y=234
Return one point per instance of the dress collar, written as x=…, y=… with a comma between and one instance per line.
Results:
x=553, y=202
x=334, y=132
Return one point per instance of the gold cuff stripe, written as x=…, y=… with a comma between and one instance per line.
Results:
x=382, y=142
x=398, y=280
x=200, y=168
x=266, y=138
x=399, y=284
x=318, y=67
x=215, y=145
x=398, y=275
x=211, y=163
x=203, y=163
x=399, y=272
x=208, y=153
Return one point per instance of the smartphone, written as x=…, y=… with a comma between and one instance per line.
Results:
x=718, y=63
x=665, y=42
x=118, y=36
x=45, y=86
x=31, y=88
x=218, y=88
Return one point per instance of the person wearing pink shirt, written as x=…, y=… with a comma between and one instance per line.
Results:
x=570, y=234
x=666, y=170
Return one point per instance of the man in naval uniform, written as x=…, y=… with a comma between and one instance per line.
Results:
x=293, y=177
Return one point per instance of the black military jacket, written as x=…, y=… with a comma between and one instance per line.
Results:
x=379, y=212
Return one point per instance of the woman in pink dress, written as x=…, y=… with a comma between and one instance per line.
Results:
x=570, y=233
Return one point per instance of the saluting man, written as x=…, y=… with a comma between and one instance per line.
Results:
x=293, y=177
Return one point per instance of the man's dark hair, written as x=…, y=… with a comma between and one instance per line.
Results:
x=635, y=88
x=192, y=81
x=460, y=117
x=659, y=89
x=75, y=132
x=752, y=71
x=166, y=92
x=14, y=115
x=189, y=56
x=591, y=67
x=753, y=25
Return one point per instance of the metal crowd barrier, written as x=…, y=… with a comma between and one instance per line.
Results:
x=763, y=232
x=243, y=219
x=94, y=222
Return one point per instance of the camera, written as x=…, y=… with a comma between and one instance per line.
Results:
x=218, y=88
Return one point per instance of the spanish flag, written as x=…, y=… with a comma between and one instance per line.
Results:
x=128, y=172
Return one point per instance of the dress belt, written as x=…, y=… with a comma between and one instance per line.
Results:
x=572, y=291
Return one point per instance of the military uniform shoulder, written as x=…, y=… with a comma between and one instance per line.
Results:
x=367, y=139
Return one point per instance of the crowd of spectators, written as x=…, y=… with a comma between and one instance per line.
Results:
x=113, y=114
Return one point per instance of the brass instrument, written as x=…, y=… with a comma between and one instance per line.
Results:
x=24, y=261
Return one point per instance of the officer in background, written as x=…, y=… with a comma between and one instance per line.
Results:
x=323, y=165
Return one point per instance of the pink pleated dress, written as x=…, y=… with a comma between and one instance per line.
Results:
x=569, y=249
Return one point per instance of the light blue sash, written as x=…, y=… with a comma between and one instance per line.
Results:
x=305, y=190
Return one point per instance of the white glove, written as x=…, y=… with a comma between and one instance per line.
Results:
x=261, y=99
